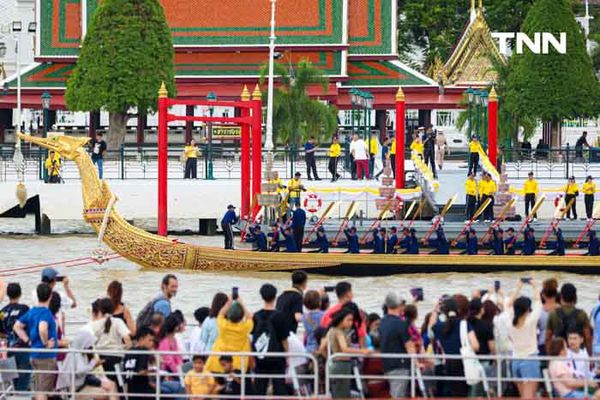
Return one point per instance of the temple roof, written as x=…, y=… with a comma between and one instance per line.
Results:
x=384, y=73
x=470, y=63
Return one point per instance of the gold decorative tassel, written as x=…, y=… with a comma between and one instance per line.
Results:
x=21, y=194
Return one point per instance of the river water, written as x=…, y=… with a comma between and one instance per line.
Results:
x=197, y=288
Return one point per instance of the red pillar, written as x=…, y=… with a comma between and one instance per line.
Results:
x=256, y=142
x=400, y=128
x=245, y=161
x=493, y=127
x=163, y=107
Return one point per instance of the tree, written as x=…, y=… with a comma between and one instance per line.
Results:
x=553, y=86
x=126, y=55
x=296, y=116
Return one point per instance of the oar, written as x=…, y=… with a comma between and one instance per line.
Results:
x=555, y=221
x=439, y=218
x=377, y=222
x=588, y=225
x=320, y=222
x=528, y=219
x=349, y=214
x=479, y=211
x=417, y=214
x=283, y=205
x=498, y=220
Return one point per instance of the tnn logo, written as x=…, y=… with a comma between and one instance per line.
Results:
x=539, y=45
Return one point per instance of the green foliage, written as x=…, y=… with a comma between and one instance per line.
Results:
x=126, y=54
x=553, y=86
x=296, y=117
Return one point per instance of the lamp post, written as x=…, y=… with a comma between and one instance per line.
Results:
x=46, y=100
x=484, y=106
x=476, y=98
x=210, y=97
x=470, y=93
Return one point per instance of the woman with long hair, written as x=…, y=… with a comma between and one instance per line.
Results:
x=120, y=310
x=171, y=363
x=210, y=331
x=525, y=315
x=341, y=322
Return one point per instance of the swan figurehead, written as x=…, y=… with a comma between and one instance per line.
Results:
x=68, y=147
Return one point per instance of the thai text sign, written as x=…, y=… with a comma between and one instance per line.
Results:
x=226, y=132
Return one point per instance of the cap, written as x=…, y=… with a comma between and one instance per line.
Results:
x=49, y=274
x=572, y=178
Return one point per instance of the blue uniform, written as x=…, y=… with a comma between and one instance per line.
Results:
x=298, y=218
x=260, y=239
x=470, y=245
x=352, y=239
x=593, y=246
x=440, y=243
x=559, y=245
x=497, y=243
x=529, y=245
x=392, y=242
x=510, y=250
x=275, y=242
x=411, y=244
x=378, y=243
x=323, y=243
x=290, y=243
x=229, y=218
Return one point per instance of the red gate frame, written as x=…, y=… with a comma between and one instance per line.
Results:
x=250, y=122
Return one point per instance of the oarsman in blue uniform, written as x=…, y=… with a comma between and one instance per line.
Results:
x=274, y=237
x=509, y=246
x=410, y=241
x=379, y=241
x=529, y=245
x=470, y=244
x=392, y=241
x=497, y=242
x=593, y=244
x=298, y=223
x=440, y=243
x=559, y=245
x=352, y=239
x=321, y=241
x=229, y=219
x=257, y=237
x=290, y=242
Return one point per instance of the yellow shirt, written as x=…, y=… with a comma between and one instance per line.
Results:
x=492, y=188
x=571, y=188
x=53, y=170
x=373, y=145
x=471, y=187
x=191, y=151
x=294, y=188
x=393, y=147
x=232, y=338
x=474, y=146
x=481, y=187
x=335, y=150
x=531, y=187
x=589, y=188
x=279, y=184
x=199, y=383
x=417, y=146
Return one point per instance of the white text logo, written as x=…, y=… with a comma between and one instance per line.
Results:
x=539, y=45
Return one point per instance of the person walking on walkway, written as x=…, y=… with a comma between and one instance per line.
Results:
x=429, y=149
x=582, y=141
x=309, y=156
x=474, y=147
x=571, y=190
x=392, y=153
x=229, y=219
x=190, y=153
x=98, y=148
x=335, y=151
x=531, y=190
x=361, y=158
x=589, y=191
x=471, y=191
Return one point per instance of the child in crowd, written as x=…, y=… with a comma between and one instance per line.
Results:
x=231, y=385
x=579, y=359
x=564, y=382
x=197, y=381
x=311, y=319
x=138, y=367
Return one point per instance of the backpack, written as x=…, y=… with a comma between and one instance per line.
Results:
x=567, y=322
x=145, y=316
x=264, y=339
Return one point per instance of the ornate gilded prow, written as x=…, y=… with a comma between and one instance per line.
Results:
x=68, y=147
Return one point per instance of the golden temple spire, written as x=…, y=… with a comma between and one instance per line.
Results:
x=481, y=5
x=493, y=96
x=256, y=94
x=473, y=12
x=400, y=94
x=245, y=94
x=163, y=92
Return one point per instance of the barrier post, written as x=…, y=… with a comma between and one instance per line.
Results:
x=256, y=142
x=162, y=159
x=493, y=127
x=245, y=161
x=400, y=128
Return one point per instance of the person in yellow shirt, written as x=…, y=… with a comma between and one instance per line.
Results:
x=190, y=154
x=53, y=165
x=393, y=154
x=474, y=147
x=571, y=190
x=417, y=146
x=531, y=190
x=589, y=191
x=471, y=191
x=197, y=380
x=335, y=151
x=491, y=188
x=295, y=186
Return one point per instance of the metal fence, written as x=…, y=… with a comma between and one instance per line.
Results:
x=419, y=380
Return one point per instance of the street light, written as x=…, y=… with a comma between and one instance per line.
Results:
x=46, y=100
x=469, y=93
x=484, y=104
x=476, y=98
x=210, y=97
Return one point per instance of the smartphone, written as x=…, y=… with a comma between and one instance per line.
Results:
x=60, y=278
x=329, y=289
x=417, y=293
x=496, y=285
x=526, y=280
x=483, y=292
x=234, y=293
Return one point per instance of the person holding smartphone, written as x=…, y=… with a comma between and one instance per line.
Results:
x=51, y=277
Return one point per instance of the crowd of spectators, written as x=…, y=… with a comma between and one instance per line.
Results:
x=115, y=352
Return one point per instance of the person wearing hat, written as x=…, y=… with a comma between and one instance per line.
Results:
x=559, y=245
x=229, y=219
x=295, y=186
x=470, y=244
x=321, y=241
x=471, y=200
x=392, y=241
x=416, y=146
x=440, y=148
x=474, y=147
x=352, y=239
x=274, y=238
x=571, y=190
x=257, y=237
x=531, y=190
x=589, y=190
x=290, y=241
x=298, y=224
x=497, y=242
x=509, y=246
x=53, y=165
x=379, y=241
x=51, y=276
x=410, y=241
